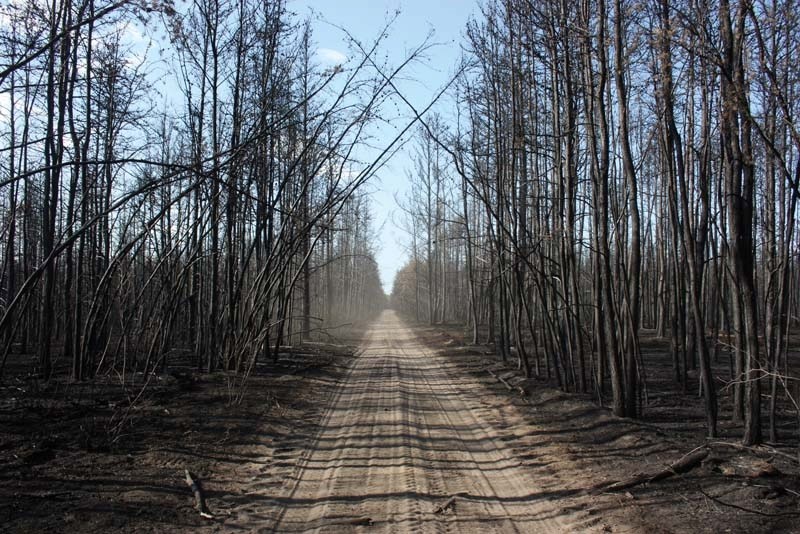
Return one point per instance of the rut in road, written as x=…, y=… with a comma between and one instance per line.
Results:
x=403, y=435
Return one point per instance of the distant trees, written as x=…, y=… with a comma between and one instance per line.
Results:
x=623, y=167
x=612, y=169
x=223, y=219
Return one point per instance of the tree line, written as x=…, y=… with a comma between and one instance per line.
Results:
x=610, y=168
x=218, y=214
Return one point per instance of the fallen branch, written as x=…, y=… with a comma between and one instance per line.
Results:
x=449, y=504
x=748, y=510
x=507, y=384
x=684, y=464
x=199, y=500
x=761, y=450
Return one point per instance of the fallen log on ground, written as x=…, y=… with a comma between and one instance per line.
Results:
x=507, y=384
x=682, y=465
x=199, y=499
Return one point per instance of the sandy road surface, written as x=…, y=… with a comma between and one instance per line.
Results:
x=402, y=436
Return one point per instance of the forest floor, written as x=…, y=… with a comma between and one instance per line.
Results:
x=734, y=488
x=74, y=459
x=412, y=432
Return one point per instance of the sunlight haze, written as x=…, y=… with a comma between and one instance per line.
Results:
x=442, y=23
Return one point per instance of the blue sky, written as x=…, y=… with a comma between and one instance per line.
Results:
x=416, y=19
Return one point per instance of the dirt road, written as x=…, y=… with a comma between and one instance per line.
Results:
x=409, y=446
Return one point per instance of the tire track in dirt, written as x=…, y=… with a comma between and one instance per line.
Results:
x=401, y=437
